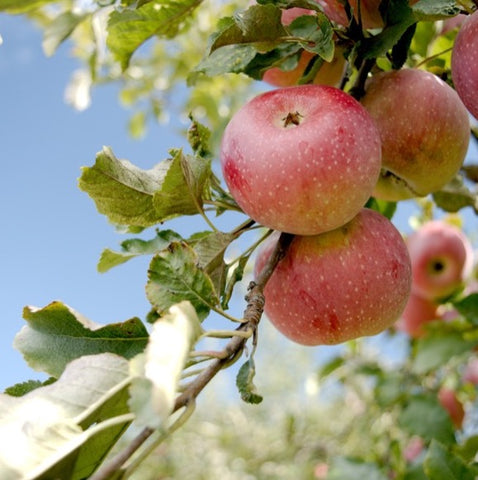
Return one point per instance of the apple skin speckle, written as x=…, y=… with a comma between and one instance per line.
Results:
x=306, y=176
x=347, y=283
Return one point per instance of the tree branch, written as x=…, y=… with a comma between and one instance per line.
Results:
x=235, y=346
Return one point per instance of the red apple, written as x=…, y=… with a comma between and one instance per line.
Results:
x=351, y=282
x=470, y=374
x=413, y=449
x=330, y=73
x=302, y=159
x=464, y=63
x=442, y=258
x=449, y=401
x=369, y=12
x=425, y=131
x=418, y=312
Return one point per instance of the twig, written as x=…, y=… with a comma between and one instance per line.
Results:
x=252, y=315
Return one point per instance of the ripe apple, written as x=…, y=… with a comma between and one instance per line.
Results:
x=470, y=374
x=347, y=283
x=369, y=12
x=449, y=401
x=330, y=73
x=301, y=159
x=425, y=131
x=418, y=312
x=442, y=258
x=464, y=63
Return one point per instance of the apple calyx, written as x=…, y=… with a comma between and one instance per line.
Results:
x=292, y=118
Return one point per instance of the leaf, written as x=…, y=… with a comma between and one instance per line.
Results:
x=128, y=195
x=22, y=6
x=442, y=464
x=435, y=350
x=20, y=389
x=184, y=186
x=174, y=276
x=331, y=366
x=199, y=137
x=468, y=307
x=59, y=30
x=245, y=383
x=384, y=207
x=259, y=25
x=432, y=10
x=227, y=59
x=349, y=469
x=455, y=195
x=425, y=417
x=153, y=390
x=129, y=28
x=135, y=247
x=210, y=249
x=45, y=434
x=56, y=334
x=317, y=34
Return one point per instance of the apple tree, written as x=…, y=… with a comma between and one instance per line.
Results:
x=312, y=124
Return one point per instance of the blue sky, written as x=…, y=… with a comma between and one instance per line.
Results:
x=52, y=235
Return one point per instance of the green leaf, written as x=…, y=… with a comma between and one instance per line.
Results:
x=137, y=124
x=425, y=417
x=317, y=34
x=199, y=137
x=384, y=207
x=259, y=25
x=245, y=383
x=349, y=469
x=174, y=276
x=468, y=307
x=59, y=30
x=469, y=448
x=184, y=186
x=20, y=389
x=331, y=366
x=432, y=10
x=22, y=6
x=455, y=195
x=129, y=28
x=135, y=247
x=210, y=249
x=128, y=195
x=435, y=350
x=389, y=389
x=227, y=59
x=442, y=464
x=157, y=372
x=56, y=334
x=65, y=429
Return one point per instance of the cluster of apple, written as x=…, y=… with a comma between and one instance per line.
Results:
x=442, y=261
x=305, y=159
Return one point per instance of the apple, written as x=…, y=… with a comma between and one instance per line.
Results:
x=413, y=449
x=301, y=159
x=464, y=63
x=442, y=259
x=330, y=73
x=449, y=401
x=418, y=312
x=470, y=374
x=369, y=12
x=347, y=283
x=425, y=131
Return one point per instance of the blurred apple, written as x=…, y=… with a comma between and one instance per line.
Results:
x=418, y=312
x=413, y=449
x=425, y=131
x=351, y=282
x=470, y=374
x=449, y=401
x=442, y=259
x=464, y=63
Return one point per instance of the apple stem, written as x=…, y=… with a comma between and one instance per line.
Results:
x=358, y=89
